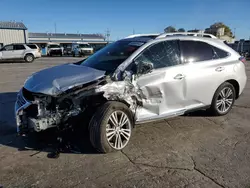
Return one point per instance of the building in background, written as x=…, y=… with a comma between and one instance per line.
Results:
x=196, y=31
x=13, y=32
x=66, y=39
x=219, y=32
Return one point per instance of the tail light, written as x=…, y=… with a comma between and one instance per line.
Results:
x=243, y=59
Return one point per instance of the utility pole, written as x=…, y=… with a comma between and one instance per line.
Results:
x=55, y=27
x=133, y=31
x=108, y=34
x=234, y=32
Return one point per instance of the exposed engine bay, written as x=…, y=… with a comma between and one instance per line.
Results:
x=40, y=112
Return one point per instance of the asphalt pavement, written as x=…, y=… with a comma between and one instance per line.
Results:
x=194, y=150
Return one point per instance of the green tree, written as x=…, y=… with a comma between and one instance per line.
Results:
x=227, y=30
x=181, y=30
x=169, y=29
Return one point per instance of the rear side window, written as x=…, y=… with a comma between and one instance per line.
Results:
x=32, y=46
x=207, y=36
x=195, y=51
x=220, y=53
x=19, y=47
x=162, y=54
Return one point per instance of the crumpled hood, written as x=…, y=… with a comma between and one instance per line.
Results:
x=55, y=80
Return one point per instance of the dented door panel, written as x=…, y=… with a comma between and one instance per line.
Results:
x=162, y=94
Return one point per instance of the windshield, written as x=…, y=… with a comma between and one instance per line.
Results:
x=54, y=46
x=111, y=56
x=84, y=46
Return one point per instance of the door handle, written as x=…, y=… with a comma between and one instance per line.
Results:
x=179, y=76
x=219, y=69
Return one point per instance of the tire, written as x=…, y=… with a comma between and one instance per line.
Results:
x=219, y=101
x=29, y=58
x=61, y=54
x=101, y=122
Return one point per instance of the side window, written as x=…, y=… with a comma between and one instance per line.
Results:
x=220, y=53
x=195, y=51
x=32, y=46
x=160, y=55
x=19, y=47
x=207, y=36
x=8, y=48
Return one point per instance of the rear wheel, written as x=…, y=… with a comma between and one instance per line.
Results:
x=111, y=127
x=29, y=58
x=223, y=99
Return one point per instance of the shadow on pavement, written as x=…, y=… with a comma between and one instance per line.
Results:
x=199, y=113
x=74, y=141
x=12, y=61
x=7, y=118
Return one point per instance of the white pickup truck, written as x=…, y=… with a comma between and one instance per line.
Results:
x=82, y=49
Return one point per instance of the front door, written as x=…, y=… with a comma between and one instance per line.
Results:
x=161, y=81
x=8, y=52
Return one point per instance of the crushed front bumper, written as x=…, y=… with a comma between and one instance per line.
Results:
x=20, y=105
x=26, y=116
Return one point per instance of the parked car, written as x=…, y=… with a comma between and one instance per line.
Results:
x=54, y=49
x=81, y=49
x=28, y=52
x=132, y=81
x=67, y=51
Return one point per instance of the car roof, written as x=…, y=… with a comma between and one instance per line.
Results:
x=138, y=39
x=145, y=39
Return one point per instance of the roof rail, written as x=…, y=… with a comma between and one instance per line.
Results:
x=186, y=34
x=143, y=35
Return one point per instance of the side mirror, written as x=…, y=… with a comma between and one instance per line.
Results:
x=144, y=67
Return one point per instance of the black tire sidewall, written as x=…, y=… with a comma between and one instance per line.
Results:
x=213, y=108
x=99, y=121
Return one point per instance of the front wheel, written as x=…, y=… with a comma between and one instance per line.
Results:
x=29, y=58
x=110, y=127
x=223, y=99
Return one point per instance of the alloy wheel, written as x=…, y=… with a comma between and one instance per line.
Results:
x=225, y=100
x=29, y=58
x=118, y=130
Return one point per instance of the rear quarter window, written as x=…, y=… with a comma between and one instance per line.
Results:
x=32, y=46
x=220, y=53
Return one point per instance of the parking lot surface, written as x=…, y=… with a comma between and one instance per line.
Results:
x=194, y=150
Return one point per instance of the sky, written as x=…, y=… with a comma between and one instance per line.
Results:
x=123, y=18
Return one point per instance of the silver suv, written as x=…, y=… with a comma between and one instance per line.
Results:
x=132, y=81
x=28, y=52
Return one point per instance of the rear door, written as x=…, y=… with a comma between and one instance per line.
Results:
x=161, y=80
x=8, y=52
x=204, y=73
x=19, y=50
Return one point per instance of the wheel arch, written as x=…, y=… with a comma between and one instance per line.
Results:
x=29, y=53
x=236, y=86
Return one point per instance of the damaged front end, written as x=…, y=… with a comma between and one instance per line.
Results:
x=38, y=112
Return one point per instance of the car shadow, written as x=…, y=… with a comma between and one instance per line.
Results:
x=71, y=141
x=199, y=113
x=11, y=61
